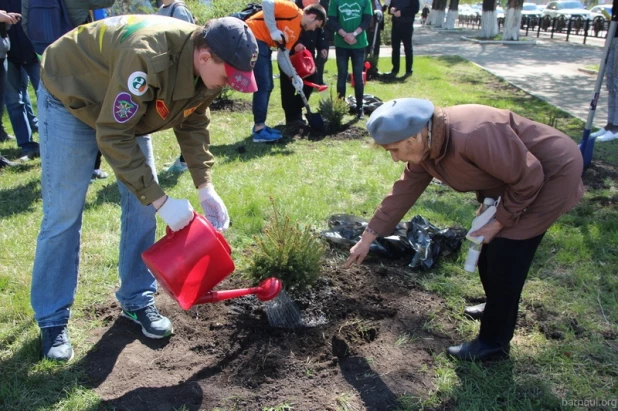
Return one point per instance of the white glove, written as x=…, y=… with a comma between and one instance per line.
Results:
x=297, y=82
x=177, y=214
x=379, y=15
x=214, y=208
x=277, y=36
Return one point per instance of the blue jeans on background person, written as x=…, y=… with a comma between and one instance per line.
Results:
x=263, y=72
x=358, y=60
x=64, y=185
x=3, y=67
x=18, y=102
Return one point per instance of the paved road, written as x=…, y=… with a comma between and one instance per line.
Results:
x=548, y=70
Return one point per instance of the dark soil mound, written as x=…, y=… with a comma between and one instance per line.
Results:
x=368, y=344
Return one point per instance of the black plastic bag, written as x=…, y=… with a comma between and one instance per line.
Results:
x=370, y=103
x=417, y=239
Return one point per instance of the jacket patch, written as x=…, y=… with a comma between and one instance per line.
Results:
x=162, y=109
x=189, y=111
x=124, y=108
x=137, y=83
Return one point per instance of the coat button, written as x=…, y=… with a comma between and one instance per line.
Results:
x=143, y=197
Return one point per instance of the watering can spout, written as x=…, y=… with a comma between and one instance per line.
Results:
x=266, y=290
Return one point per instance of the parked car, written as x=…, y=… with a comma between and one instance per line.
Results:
x=597, y=11
x=540, y=8
x=531, y=10
x=499, y=12
x=568, y=9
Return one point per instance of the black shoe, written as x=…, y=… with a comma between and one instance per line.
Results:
x=476, y=350
x=408, y=73
x=26, y=155
x=475, y=312
x=392, y=74
x=360, y=114
x=4, y=162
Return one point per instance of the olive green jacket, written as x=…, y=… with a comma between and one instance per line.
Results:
x=128, y=76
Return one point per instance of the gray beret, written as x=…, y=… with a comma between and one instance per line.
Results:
x=399, y=119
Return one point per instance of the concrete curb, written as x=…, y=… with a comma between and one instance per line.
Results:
x=509, y=42
x=588, y=71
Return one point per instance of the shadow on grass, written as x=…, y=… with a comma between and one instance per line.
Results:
x=21, y=198
x=246, y=150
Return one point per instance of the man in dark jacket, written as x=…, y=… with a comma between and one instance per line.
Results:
x=291, y=102
x=403, y=13
x=22, y=64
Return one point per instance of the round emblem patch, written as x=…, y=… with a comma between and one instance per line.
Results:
x=137, y=83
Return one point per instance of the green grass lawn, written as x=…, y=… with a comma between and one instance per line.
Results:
x=573, y=276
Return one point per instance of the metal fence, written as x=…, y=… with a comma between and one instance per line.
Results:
x=575, y=26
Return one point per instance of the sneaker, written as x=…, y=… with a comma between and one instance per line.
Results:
x=99, y=174
x=4, y=162
x=265, y=136
x=178, y=166
x=55, y=344
x=598, y=133
x=273, y=130
x=4, y=136
x=154, y=325
x=608, y=136
x=360, y=114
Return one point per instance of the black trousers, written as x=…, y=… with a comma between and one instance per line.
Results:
x=292, y=103
x=402, y=33
x=503, y=267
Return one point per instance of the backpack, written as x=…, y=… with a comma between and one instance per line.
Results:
x=180, y=3
x=48, y=20
x=254, y=8
x=248, y=11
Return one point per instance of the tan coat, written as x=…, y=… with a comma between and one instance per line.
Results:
x=535, y=168
x=128, y=76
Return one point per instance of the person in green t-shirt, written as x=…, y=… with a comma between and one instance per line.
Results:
x=349, y=20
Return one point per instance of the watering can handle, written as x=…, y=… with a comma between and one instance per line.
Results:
x=170, y=233
x=223, y=242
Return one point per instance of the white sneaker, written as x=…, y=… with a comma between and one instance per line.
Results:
x=608, y=136
x=178, y=166
x=598, y=133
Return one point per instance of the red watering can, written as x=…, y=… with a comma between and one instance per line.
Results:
x=190, y=262
x=366, y=67
x=304, y=65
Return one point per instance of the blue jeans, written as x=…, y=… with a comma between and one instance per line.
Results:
x=2, y=88
x=68, y=151
x=18, y=102
x=358, y=60
x=263, y=72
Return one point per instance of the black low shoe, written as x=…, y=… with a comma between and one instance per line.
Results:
x=475, y=311
x=476, y=350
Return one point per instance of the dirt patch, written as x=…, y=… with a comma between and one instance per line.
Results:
x=372, y=343
x=553, y=325
x=599, y=175
x=230, y=105
x=348, y=132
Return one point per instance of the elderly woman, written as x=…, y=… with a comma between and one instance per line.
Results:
x=535, y=169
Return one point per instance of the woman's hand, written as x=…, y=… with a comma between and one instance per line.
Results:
x=360, y=249
x=299, y=47
x=488, y=231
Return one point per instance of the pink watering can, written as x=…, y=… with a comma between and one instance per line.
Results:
x=190, y=262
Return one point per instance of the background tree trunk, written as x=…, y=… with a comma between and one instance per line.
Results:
x=451, y=16
x=437, y=13
x=489, y=19
x=512, y=20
